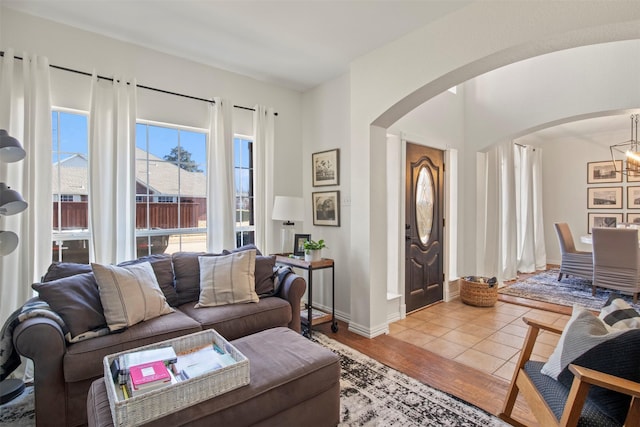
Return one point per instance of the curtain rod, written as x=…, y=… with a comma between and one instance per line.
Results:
x=84, y=73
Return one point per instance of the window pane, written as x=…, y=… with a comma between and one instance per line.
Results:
x=70, y=179
x=71, y=251
x=170, y=183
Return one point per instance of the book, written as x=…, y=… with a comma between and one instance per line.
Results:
x=201, y=361
x=164, y=354
x=148, y=376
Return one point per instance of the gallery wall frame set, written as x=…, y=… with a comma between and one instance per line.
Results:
x=604, y=172
x=604, y=198
x=326, y=208
x=325, y=167
x=602, y=220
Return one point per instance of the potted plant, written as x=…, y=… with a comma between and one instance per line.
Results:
x=312, y=250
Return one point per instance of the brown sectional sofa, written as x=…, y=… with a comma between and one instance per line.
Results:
x=64, y=372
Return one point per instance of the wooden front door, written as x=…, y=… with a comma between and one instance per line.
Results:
x=424, y=263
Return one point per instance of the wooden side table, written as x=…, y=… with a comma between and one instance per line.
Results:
x=283, y=259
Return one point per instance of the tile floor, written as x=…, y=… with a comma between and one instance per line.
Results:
x=485, y=338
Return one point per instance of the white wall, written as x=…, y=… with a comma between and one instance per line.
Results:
x=393, y=80
x=77, y=49
x=326, y=127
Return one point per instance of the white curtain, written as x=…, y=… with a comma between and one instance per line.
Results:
x=264, y=146
x=112, y=184
x=511, y=227
x=531, y=252
x=25, y=113
x=497, y=201
x=220, y=167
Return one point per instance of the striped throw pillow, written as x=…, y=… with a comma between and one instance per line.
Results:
x=227, y=279
x=618, y=314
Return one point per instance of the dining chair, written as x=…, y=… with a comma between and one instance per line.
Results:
x=616, y=260
x=574, y=262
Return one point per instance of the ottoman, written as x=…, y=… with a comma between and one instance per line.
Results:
x=293, y=381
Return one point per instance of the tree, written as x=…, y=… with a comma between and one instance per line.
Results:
x=183, y=159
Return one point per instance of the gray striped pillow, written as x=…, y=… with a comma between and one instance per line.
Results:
x=129, y=294
x=618, y=314
x=227, y=279
x=583, y=332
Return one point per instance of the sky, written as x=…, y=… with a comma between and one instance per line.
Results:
x=70, y=136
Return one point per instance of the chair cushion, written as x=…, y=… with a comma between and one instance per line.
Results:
x=555, y=394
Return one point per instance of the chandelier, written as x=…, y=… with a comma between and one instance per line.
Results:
x=631, y=151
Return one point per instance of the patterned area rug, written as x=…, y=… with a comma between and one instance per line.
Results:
x=571, y=290
x=371, y=394
x=20, y=411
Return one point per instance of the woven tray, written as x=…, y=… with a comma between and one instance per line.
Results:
x=478, y=294
x=152, y=405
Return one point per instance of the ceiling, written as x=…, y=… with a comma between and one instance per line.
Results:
x=297, y=44
x=293, y=43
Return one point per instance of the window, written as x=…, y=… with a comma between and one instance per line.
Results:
x=70, y=186
x=171, y=209
x=243, y=176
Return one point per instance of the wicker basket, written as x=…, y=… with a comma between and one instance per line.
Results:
x=156, y=403
x=476, y=293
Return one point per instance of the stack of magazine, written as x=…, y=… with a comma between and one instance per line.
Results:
x=146, y=370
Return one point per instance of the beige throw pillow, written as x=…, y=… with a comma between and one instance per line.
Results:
x=227, y=279
x=129, y=294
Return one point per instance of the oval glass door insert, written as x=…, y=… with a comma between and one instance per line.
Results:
x=424, y=205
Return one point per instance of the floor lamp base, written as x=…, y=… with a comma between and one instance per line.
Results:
x=10, y=389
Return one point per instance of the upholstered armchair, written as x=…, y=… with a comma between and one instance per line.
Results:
x=581, y=396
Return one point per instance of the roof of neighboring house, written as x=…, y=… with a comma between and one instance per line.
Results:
x=162, y=176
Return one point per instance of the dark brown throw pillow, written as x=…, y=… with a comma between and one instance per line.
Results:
x=248, y=247
x=163, y=269
x=264, y=274
x=187, y=270
x=76, y=300
x=59, y=270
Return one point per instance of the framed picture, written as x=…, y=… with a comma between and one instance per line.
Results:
x=633, y=177
x=605, y=171
x=326, y=168
x=326, y=208
x=633, y=218
x=602, y=220
x=604, y=197
x=633, y=197
x=298, y=243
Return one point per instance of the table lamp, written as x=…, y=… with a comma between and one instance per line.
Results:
x=288, y=209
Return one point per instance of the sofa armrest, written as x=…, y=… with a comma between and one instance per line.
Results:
x=42, y=340
x=292, y=290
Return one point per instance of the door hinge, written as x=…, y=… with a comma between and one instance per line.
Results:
x=444, y=167
x=443, y=222
x=442, y=277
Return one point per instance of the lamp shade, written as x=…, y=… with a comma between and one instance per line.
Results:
x=10, y=148
x=288, y=208
x=11, y=202
x=8, y=242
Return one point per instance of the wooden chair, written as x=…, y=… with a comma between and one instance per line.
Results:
x=552, y=403
x=616, y=260
x=574, y=262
